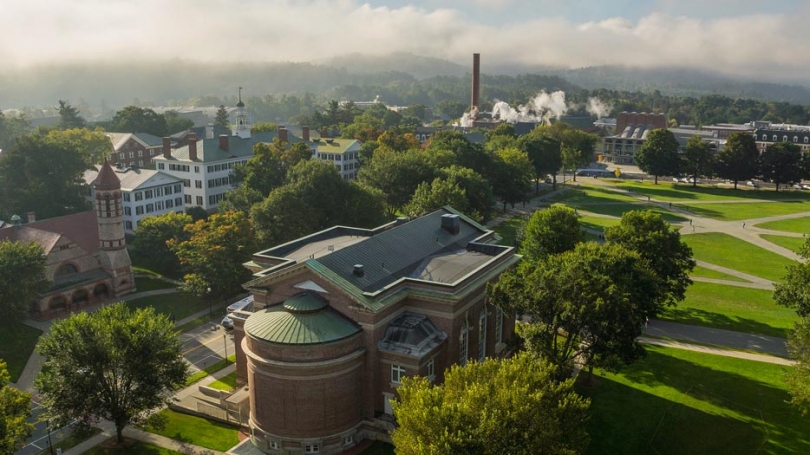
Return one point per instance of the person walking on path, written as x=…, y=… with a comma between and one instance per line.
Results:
x=743, y=224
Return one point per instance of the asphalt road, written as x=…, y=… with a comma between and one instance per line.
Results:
x=39, y=439
x=205, y=345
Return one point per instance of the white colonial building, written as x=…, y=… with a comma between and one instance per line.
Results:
x=144, y=192
x=344, y=153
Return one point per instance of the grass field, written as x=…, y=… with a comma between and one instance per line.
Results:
x=733, y=253
x=732, y=308
x=508, y=230
x=150, y=284
x=137, y=448
x=198, y=431
x=791, y=243
x=744, y=211
x=17, y=342
x=597, y=222
x=591, y=195
x=227, y=382
x=703, y=272
x=667, y=191
x=617, y=209
x=797, y=225
x=682, y=402
x=179, y=304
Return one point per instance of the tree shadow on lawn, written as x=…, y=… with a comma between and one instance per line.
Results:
x=705, y=318
x=618, y=208
x=751, y=398
x=664, y=190
x=592, y=196
x=630, y=420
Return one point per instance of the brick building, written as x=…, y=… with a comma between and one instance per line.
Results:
x=134, y=149
x=341, y=316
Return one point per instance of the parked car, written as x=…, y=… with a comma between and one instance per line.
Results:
x=752, y=184
x=548, y=180
x=227, y=322
x=805, y=187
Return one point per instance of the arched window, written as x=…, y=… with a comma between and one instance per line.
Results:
x=796, y=139
x=66, y=270
x=775, y=138
x=784, y=138
x=806, y=139
x=764, y=137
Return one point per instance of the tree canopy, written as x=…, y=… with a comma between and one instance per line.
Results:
x=22, y=277
x=222, y=119
x=646, y=233
x=697, y=159
x=69, y=116
x=659, y=154
x=15, y=409
x=589, y=303
x=151, y=243
x=545, y=154
x=114, y=364
x=551, y=231
x=134, y=119
x=781, y=163
x=513, y=175
x=396, y=175
x=739, y=159
x=92, y=145
x=511, y=406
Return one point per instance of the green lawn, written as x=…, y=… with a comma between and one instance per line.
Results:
x=179, y=304
x=598, y=223
x=744, y=211
x=667, y=191
x=227, y=382
x=732, y=308
x=591, y=195
x=791, y=243
x=137, y=448
x=703, y=272
x=617, y=209
x=797, y=225
x=682, y=402
x=508, y=230
x=198, y=431
x=17, y=342
x=733, y=253
x=150, y=284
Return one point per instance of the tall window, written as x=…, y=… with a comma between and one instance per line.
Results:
x=463, y=343
x=312, y=448
x=397, y=373
x=431, y=368
x=482, y=335
x=498, y=326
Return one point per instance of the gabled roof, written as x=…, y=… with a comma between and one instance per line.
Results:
x=146, y=139
x=133, y=179
x=79, y=228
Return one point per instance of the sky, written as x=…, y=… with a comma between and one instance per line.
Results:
x=762, y=39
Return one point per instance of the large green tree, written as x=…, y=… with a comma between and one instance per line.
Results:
x=134, y=119
x=794, y=290
x=22, y=277
x=646, y=233
x=545, y=154
x=176, y=123
x=551, y=231
x=92, y=145
x=467, y=154
x=151, y=243
x=513, y=176
x=511, y=406
x=222, y=119
x=477, y=188
x=432, y=196
x=214, y=252
x=698, y=159
x=15, y=409
x=659, y=154
x=38, y=174
x=11, y=128
x=781, y=163
x=114, y=364
x=739, y=159
x=69, y=116
x=396, y=174
x=589, y=303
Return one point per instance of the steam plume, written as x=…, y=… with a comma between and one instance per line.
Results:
x=543, y=107
x=598, y=108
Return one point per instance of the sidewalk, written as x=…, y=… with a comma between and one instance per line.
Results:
x=717, y=351
x=772, y=346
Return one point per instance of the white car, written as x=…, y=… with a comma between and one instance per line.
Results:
x=227, y=322
x=752, y=184
x=806, y=187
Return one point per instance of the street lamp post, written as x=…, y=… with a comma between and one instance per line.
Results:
x=50, y=446
x=210, y=305
x=225, y=342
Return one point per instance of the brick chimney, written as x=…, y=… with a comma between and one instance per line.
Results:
x=223, y=142
x=31, y=217
x=192, y=146
x=305, y=133
x=167, y=147
x=476, y=80
x=282, y=134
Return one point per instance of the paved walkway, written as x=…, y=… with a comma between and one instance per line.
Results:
x=718, y=337
x=717, y=351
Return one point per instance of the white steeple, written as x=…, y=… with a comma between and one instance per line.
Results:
x=242, y=123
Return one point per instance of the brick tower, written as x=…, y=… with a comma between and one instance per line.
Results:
x=112, y=252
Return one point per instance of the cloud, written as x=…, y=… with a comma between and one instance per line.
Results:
x=55, y=31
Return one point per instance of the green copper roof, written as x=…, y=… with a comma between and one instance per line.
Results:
x=286, y=324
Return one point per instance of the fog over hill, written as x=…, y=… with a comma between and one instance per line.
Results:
x=113, y=85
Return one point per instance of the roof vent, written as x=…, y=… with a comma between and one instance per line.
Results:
x=358, y=270
x=451, y=223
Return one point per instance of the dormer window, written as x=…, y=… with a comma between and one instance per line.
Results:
x=775, y=138
x=796, y=139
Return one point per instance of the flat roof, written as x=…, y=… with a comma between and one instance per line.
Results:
x=448, y=267
x=323, y=247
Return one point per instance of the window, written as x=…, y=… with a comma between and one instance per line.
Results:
x=784, y=138
x=167, y=190
x=775, y=138
x=187, y=198
x=122, y=156
x=312, y=448
x=131, y=155
x=498, y=326
x=806, y=139
x=127, y=211
x=199, y=200
x=186, y=183
x=178, y=201
x=139, y=210
x=431, y=368
x=462, y=345
x=482, y=335
x=148, y=194
x=161, y=166
x=348, y=440
x=169, y=203
x=158, y=192
x=198, y=183
x=274, y=445
x=795, y=138
x=397, y=373
x=138, y=196
x=128, y=225
x=150, y=208
x=140, y=153
x=126, y=197
x=159, y=205
x=197, y=169
x=178, y=188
